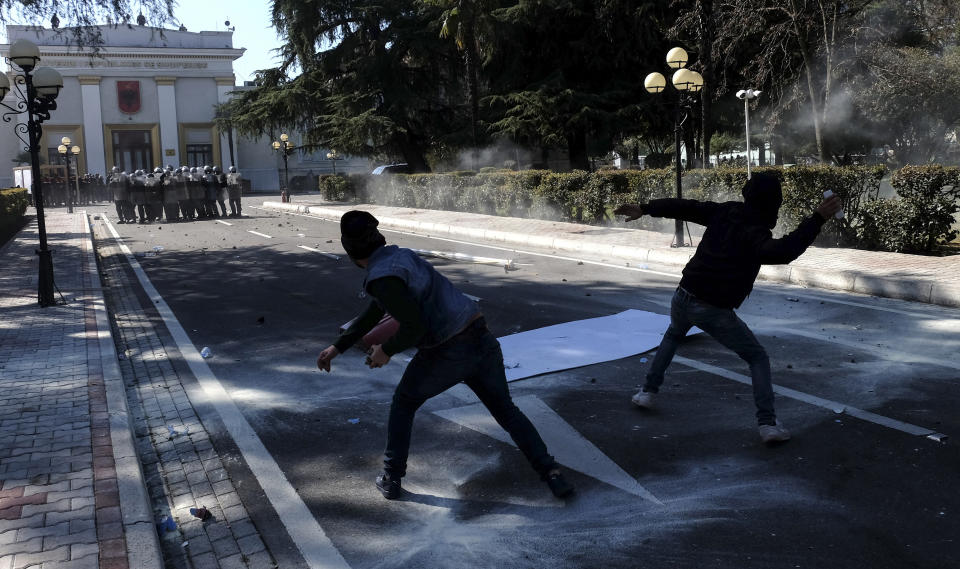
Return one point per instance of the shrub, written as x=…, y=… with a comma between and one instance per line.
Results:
x=336, y=188
x=803, y=191
x=917, y=221
x=13, y=206
x=927, y=204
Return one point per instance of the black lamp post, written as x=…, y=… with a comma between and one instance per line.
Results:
x=332, y=156
x=285, y=147
x=685, y=81
x=69, y=152
x=37, y=89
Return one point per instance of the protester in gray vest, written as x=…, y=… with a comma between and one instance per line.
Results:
x=234, y=189
x=453, y=346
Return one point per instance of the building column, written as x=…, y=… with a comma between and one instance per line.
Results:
x=93, y=145
x=224, y=86
x=169, y=130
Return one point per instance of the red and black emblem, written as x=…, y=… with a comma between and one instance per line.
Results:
x=128, y=96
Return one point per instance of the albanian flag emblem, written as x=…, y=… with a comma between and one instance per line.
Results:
x=128, y=96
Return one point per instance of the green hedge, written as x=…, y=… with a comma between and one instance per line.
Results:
x=919, y=220
x=13, y=205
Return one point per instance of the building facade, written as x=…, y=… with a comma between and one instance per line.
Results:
x=147, y=97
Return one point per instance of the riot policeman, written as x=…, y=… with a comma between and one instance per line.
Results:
x=119, y=187
x=138, y=195
x=153, y=182
x=195, y=190
x=233, y=190
x=222, y=193
x=211, y=187
x=171, y=208
x=183, y=195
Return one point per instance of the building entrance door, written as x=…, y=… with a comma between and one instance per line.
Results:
x=132, y=150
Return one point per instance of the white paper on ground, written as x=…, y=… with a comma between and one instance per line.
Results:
x=582, y=342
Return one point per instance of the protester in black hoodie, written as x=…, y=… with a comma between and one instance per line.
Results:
x=718, y=278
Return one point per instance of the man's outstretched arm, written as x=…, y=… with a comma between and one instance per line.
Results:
x=686, y=210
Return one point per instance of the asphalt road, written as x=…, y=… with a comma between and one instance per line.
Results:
x=845, y=492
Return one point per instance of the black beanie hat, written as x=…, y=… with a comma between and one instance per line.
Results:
x=359, y=235
x=763, y=196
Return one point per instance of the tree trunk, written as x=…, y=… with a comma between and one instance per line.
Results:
x=470, y=59
x=706, y=61
x=413, y=154
x=577, y=149
x=811, y=89
x=689, y=145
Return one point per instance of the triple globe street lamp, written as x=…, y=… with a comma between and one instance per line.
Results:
x=36, y=91
x=69, y=152
x=333, y=156
x=684, y=81
x=286, y=148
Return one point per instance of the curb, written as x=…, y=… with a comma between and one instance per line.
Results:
x=845, y=281
x=143, y=545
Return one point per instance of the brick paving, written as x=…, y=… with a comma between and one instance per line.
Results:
x=183, y=469
x=60, y=503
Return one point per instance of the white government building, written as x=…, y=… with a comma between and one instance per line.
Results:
x=145, y=99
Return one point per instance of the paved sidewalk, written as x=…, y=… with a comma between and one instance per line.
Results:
x=72, y=492
x=934, y=280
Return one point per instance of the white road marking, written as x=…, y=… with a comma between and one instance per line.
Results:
x=224, y=222
x=817, y=401
x=317, y=549
x=325, y=254
x=885, y=353
x=568, y=446
x=260, y=234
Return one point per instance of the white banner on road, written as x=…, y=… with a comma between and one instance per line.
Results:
x=582, y=342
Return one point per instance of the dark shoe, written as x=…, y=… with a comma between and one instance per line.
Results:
x=389, y=487
x=559, y=485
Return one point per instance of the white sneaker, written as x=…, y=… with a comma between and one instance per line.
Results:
x=644, y=399
x=774, y=433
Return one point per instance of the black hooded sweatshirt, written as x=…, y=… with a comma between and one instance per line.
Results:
x=738, y=239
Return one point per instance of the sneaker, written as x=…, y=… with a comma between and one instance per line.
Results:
x=774, y=433
x=389, y=487
x=645, y=399
x=559, y=485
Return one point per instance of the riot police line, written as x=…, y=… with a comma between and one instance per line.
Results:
x=181, y=194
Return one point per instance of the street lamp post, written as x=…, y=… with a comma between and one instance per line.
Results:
x=332, y=156
x=746, y=95
x=684, y=81
x=37, y=89
x=69, y=152
x=285, y=147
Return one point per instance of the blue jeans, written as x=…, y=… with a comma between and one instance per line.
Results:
x=726, y=327
x=473, y=357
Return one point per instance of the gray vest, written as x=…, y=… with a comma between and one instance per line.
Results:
x=445, y=309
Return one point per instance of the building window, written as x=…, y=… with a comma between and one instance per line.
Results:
x=132, y=150
x=199, y=146
x=199, y=154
